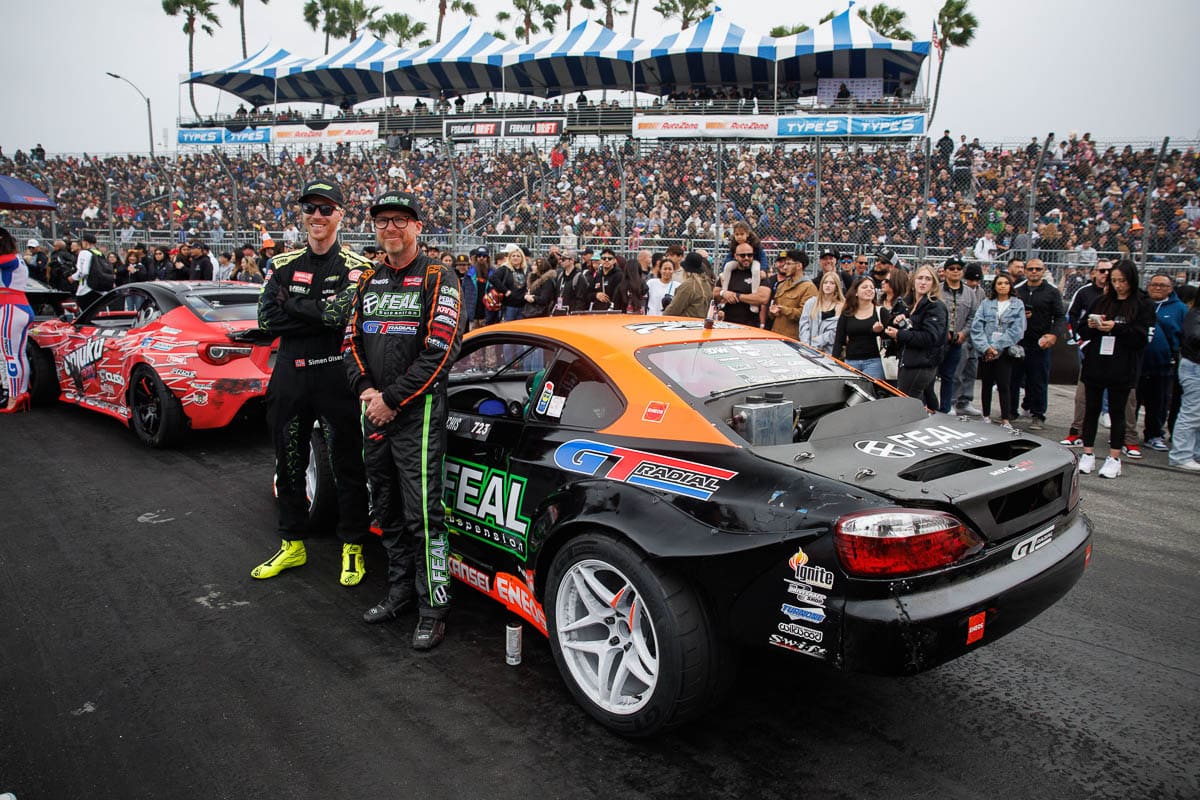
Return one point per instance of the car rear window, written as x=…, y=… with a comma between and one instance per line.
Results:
x=224, y=305
x=704, y=369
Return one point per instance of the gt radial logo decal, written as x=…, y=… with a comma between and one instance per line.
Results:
x=810, y=574
x=641, y=468
x=884, y=449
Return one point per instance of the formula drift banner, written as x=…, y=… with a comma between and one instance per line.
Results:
x=332, y=133
x=496, y=128
x=764, y=127
x=204, y=136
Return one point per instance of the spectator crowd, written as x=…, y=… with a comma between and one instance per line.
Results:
x=1089, y=199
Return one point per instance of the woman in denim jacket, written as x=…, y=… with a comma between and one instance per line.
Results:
x=997, y=328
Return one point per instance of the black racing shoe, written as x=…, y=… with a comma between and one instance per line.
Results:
x=387, y=608
x=429, y=633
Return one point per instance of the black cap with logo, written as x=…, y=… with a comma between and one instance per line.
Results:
x=326, y=188
x=396, y=200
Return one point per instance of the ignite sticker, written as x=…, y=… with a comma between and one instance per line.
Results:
x=411, y=281
x=547, y=395
x=640, y=468
x=810, y=574
x=655, y=411
x=813, y=615
x=975, y=627
x=302, y=277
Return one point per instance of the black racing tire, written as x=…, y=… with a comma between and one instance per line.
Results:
x=156, y=414
x=664, y=664
x=319, y=483
x=44, y=388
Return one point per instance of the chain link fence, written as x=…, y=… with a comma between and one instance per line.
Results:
x=1067, y=201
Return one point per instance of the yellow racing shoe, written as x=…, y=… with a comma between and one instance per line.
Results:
x=352, y=564
x=291, y=554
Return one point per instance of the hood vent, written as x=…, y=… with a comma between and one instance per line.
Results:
x=941, y=466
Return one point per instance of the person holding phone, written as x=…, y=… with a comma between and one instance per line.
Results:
x=1113, y=343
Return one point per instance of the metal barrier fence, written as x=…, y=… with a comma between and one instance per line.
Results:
x=1063, y=200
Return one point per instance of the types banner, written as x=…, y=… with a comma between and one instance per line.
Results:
x=206, y=136
x=769, y=127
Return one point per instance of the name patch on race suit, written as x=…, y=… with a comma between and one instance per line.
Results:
x=302, y=277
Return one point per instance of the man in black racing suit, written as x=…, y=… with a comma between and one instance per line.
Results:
x=405, y=331
x=306, y=302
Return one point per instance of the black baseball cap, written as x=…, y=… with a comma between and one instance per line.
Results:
x=886, y=254
x=396, y=200
x=326, y=188
x=482, y=252
x=827, y=252
x=370, y=250
x=953, y=260
x=972, y=273
x=461, y=258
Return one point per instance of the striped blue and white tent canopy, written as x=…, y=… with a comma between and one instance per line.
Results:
x=342, y=77
x=847, y=47
x=468, y=62
x=588, y=56
x=252, y=79
x=714, y=52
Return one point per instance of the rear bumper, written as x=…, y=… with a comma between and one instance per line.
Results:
x=919, y=630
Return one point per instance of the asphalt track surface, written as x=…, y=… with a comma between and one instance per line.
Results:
x=138, y=659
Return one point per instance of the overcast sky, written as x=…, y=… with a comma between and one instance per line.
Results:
x=1124, y=71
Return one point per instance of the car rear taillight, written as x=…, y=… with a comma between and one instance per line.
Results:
x=224, y=353
x=892, y=542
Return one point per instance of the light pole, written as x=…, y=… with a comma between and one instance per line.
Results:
x=149, y=117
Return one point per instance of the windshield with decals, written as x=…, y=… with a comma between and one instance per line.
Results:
x=708, y=369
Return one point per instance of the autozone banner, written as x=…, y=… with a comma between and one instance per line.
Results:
x=333, y=133
x=770, y=127
x=206, y=136
x=495, y=128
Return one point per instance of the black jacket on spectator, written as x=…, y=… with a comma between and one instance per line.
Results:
x=544, y=289
x=511, y=284
x=1047, y=306
x=1135, y=317
x=923, y=342
x=576, y=290
x=1080, y=303
x=202, y=269
x=607, y=284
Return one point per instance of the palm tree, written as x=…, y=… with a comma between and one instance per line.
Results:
x=357, y=16
x=196, y=14
x=325, y=16
x=688, y=11
x=465, y=6
x=240, y=5
x=886, y=21
x=827, y=17
x=567, y=6
x=956, y=28
x=633, y=20
x=609, y=6
x=545, y=13
x=402, y=27
x=780, y=31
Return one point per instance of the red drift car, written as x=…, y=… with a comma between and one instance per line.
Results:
x=162, y=357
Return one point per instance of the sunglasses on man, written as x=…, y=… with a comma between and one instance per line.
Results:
x=324, y=209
